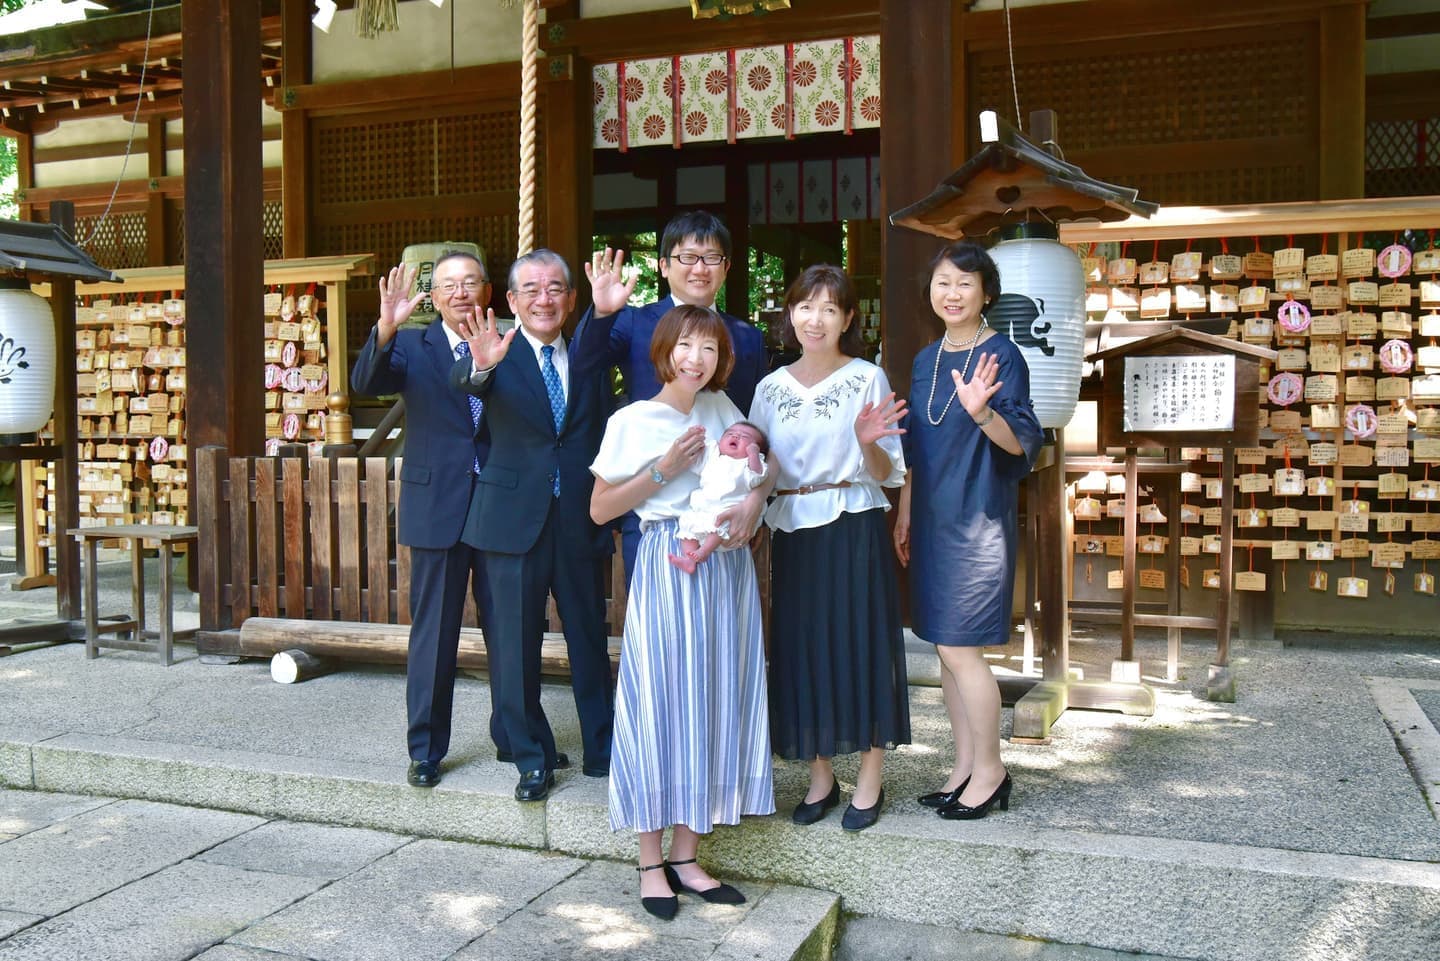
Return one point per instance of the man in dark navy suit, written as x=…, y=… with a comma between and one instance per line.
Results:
x=694, y=257
x=443, y=450
x=546, y=403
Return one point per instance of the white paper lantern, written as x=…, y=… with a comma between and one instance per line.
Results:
x=1042, y=309
x=27, y=362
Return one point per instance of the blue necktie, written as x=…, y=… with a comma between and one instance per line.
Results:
x=551, y=377
x=462, y=349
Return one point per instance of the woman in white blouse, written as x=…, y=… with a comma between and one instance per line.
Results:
x=837, y=660
x=691, y=746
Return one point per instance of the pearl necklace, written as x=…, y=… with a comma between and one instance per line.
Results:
x=930, y=404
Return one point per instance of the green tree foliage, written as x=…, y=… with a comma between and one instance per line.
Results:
x=8, y=207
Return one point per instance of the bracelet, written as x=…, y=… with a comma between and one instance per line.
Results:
x=988, y=418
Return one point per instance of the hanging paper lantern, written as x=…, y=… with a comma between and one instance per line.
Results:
x=27, y=362
x=1042, y=309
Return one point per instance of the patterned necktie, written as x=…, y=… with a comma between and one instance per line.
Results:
x=551, y=377
x=462, y=349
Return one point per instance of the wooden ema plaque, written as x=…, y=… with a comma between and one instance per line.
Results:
x=1182, y=387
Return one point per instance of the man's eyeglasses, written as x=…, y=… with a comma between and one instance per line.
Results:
x=449, y=288
x=531, y=292
x=690, y=260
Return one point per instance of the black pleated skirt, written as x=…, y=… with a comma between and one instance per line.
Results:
x=837, y=680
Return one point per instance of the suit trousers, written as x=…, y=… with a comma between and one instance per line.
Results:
x=438, y=581
x=515, y=627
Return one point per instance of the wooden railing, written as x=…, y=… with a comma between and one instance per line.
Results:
x=315, y=539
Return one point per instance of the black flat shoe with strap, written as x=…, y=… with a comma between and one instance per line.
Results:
x=663, y=908
x=721, y=894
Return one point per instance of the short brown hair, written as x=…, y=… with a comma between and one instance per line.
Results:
x=835, y=282
x=686, y=321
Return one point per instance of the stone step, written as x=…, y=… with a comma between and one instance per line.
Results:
x=1128, y=893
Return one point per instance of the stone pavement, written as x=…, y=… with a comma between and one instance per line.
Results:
x=102, y=879
x=1294, y=823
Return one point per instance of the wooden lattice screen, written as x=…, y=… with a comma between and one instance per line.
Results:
x=1187, y=118
x=1402, y=157
x=118, y=241
x=383, y=181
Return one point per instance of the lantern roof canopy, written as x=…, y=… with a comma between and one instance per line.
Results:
x=44, y=249
x=1011, y=179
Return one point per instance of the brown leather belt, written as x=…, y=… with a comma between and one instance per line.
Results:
x=812, y=488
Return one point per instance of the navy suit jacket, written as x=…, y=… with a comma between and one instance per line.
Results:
x=630, y=351
x=441, y=443
x=515, y=491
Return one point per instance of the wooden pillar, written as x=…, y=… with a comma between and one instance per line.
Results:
x=569, y=170
x=737, y=218
x=67, y=468
x=155, y=245
x=224, y=259
x=25, y=170
x=1340, y=152
x=916, y=47
x=295, y=39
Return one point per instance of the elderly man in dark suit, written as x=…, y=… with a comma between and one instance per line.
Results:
x=443, y=452
x=694, y=257
x=546, y=403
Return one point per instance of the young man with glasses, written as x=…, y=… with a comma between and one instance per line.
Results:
x=546, y=403
x=694, y=258
x=443, y=453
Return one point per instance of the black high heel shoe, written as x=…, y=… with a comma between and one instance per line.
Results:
x=811, y=811
x=723, y=894
x=940, y=799
x=663, y=908
x=964, y=812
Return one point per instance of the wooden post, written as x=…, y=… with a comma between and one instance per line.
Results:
x=67, y=469
x=1340, y=152
x=295, y=129
x=223, y=236
x=1220, y=684
x=1125, y=669
x=155, y=200
x=1054, y=550
x=916, y=152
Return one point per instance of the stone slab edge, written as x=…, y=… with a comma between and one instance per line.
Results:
x=1414, y=733
x=473, y=808
x=790, y=923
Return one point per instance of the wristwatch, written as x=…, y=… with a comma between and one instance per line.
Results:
x=988, y=418
x=656, y=476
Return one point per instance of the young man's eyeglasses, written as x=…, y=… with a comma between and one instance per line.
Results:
x=690, y=260
x=449, y=288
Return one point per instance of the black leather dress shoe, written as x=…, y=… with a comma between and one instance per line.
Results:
x=423, y=773
x=940, y=799
x=596, y=770
x=534, y=785
x=562, y=760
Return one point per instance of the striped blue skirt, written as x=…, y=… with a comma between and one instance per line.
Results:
x=692, y=735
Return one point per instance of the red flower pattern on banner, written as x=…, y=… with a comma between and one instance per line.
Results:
x=696, y=122
x=610, y=130
x=804, y=73
x=778, y=116
x=870, y=108
x=717, y=82
x=668, y=85
x=599, y=92
x=742, y=120
x=827, y=113
x=654, y=126
x=634, y=89
x=759, y=77
x=849, y=66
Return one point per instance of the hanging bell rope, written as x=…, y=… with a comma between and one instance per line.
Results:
x=373, y=17
x=529, y=60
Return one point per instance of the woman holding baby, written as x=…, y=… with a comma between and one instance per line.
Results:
x=837, y=662
x=691, y=744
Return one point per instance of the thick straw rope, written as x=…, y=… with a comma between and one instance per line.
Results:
x=529, y=58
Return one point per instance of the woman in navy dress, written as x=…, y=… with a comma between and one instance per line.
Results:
x=971, y=436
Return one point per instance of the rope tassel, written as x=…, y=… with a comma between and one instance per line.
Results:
x=373, y=17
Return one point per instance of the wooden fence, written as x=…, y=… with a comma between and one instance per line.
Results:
x=315, y=539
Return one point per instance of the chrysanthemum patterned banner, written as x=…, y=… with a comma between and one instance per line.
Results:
x=775, y=91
